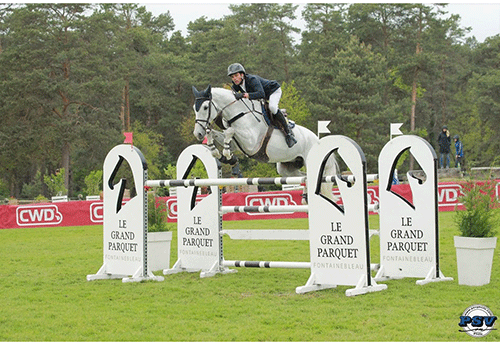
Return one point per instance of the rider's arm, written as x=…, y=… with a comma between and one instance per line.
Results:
x=254, y=87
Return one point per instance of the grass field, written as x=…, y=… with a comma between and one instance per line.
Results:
x=45, y=296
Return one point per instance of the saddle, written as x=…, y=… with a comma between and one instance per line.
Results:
x=272, y=124
x=271, y=120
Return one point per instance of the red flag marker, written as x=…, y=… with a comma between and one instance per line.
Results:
x=128, y=138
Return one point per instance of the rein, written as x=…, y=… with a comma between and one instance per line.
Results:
x=205, y=124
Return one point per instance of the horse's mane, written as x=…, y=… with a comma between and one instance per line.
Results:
x=222, y=90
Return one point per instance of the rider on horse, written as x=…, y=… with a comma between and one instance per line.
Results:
x=255, y=87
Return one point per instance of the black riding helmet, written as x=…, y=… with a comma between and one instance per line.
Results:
x=235, y=68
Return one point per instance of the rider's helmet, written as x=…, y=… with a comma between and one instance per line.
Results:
x=235, y=68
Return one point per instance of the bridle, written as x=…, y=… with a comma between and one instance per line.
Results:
x=198, y=102
x=205, y=124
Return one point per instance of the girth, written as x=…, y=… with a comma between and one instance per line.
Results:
x=260, y=155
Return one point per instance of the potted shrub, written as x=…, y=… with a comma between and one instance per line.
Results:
x=476, y=223
x=159, y=235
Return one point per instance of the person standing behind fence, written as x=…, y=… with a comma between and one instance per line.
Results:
x=444, y=141
x=459, y=153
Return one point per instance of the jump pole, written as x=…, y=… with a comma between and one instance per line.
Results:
x=256, y=181
x=200, y=246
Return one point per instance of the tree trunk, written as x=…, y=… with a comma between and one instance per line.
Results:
x=125, y=108
x=443, y=100
x=415, y=85
x=66, y=165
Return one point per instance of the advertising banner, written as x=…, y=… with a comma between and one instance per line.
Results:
x=74, y=213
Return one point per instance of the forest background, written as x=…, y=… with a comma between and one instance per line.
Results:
x=74, y=77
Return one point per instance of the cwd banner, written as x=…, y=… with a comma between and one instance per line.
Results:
x=448, y=193
x=76, y=213
x=69, y=213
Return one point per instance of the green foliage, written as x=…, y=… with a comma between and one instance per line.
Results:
x=148, y=142
x=86, y=73
x=479, y=218
x=55, y=183
x=4, y=190
x=93, y=181
x=157, y=214
x=198, y=171
x=253, y=168
x=41, y=198
x=295, y=105
x=31, y=190
x=170, y=172
x=400, y=84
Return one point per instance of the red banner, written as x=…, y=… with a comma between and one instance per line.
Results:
x=74, y=213
x=51, y=214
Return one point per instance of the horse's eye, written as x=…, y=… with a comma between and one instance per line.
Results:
x=205, y=107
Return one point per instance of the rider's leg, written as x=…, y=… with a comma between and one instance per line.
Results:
x=274, y=99
x=289, y=137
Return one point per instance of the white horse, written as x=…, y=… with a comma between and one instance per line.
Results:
x=245, y=125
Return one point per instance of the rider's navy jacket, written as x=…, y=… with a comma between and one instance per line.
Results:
x=258, y=87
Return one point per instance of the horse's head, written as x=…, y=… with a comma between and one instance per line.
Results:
x=203, y=109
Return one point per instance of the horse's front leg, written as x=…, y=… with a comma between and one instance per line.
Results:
x=228, y=136
x=210, y=143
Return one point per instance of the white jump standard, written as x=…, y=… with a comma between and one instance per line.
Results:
x=125, y=226
x=409, y=231
x=339, y=235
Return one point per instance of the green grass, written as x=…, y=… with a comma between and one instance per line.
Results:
x=45, y=296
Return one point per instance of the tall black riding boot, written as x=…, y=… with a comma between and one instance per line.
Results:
x=289, y=137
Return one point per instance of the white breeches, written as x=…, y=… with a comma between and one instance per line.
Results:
x=274, y=100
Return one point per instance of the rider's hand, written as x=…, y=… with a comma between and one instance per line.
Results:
x=238, y=95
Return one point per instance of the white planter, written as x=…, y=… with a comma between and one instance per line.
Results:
x=474, y=259
x=159, y=250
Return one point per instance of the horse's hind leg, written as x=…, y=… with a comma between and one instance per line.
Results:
x=292, y=169
x=331, y=169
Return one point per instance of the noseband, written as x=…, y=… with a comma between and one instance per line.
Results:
x=205, y=124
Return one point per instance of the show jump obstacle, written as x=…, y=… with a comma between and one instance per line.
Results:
x=338, y=233
x=125, y=225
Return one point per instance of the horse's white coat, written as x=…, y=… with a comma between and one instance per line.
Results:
x=249, y=131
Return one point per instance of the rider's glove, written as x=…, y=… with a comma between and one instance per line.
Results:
x=238, y=95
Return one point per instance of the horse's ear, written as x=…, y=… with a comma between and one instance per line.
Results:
x=196, y=93
x=208, y=91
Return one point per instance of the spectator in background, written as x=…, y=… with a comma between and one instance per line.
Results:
x=459, y=153
x=444, y=141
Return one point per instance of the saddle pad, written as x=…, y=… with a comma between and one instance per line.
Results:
x=265, y=113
